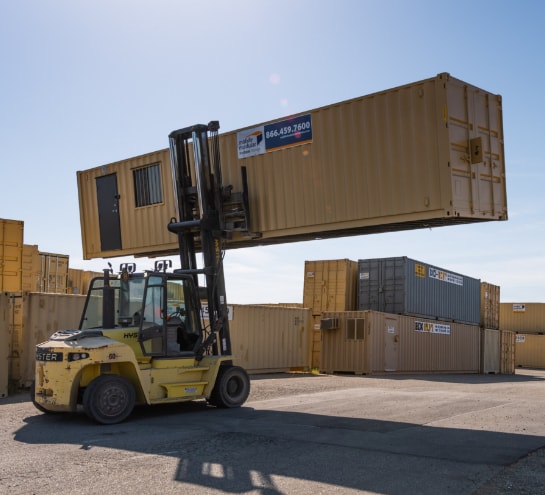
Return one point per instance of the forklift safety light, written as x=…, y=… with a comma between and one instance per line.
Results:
x=76, y=356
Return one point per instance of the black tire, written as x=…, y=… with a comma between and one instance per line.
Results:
x=232, y=387
x=109, y=399
x=33, y=399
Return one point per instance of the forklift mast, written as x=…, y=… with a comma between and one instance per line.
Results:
x=196, y=174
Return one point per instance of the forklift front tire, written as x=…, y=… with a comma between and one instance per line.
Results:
x=232, y=387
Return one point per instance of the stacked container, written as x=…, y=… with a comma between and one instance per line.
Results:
x=408, y=287
x=11, y=255
x=329, y=285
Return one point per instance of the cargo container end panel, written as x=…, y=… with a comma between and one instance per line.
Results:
x=401, y=285
x=11, y=255
x=421, y=155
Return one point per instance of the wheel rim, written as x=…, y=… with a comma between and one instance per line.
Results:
x=113, y=400
x=234, y=386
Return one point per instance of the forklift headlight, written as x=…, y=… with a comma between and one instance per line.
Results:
x=76, y=356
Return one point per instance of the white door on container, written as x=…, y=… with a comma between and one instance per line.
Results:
x=391, y=344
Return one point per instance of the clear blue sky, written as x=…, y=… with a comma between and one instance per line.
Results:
x=89, y=83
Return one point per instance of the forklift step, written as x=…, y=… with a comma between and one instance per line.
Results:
x=185, y=389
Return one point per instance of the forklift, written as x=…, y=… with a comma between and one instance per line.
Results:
x=143, y=338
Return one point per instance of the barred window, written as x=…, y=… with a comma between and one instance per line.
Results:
x=147, y=185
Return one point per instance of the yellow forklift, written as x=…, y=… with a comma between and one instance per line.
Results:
x=142, y=337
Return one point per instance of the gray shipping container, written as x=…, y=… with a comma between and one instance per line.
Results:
x=405, y=286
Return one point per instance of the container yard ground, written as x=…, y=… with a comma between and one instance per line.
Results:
x=297, y=434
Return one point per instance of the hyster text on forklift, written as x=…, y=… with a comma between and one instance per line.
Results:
x=142, y=338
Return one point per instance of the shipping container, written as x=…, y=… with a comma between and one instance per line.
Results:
x=16, y=335
x=523, y=317
x=507, y=352
x=401, y=285
x=4, y=345
x=36, y=316
x=329, y=285
x=490, y=351
x=425, y=154
x=530, y=350
x=11, y=255
x=490, y=306
x=79, y=280
x=54, y=272
x=371, y=342
x=269, y=339
x=32, y=269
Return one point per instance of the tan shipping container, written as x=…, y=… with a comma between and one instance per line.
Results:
x=32, y=269
x=11, y=255
x=42, y=315
x=4, y=345
x=79, y=280
x=426, y=154
x=523, y=317
x=329, y=285
x=370, y=342
x=530, y=351
x=16, y=337
x=490, y=351
x=507, y=352
x=270, y=339
x=54, y=272
x=490, y=306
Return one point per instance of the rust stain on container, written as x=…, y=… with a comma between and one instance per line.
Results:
x=425, y=154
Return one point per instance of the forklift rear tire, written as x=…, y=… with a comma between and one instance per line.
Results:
x=232, y=387
x=109, y=399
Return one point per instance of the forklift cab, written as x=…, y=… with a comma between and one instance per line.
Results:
x=157, y=312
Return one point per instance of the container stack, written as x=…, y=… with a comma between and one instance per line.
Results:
x=329, y=285
x=527, y=321
x=415, y=317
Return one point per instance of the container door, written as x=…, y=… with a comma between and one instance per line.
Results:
x=391, y=344
x=108, y=212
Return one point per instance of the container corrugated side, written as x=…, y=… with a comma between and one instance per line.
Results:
x=143, y=229
x=79, y=280
x=426, y=154
x=4, y=345
x=32, y=269
x=54, y=272
x=16, y=335
x=522, y=317
x=490, y=305
x=375, y=342
x=490, y=351
x=329, y=285
x=530, y=350
x=401, y=285
x=507, y=352
x=43, y=315
x=11, y=255
x=270, y=339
